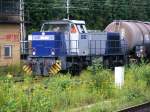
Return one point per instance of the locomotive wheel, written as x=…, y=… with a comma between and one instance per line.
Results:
x=75, y=69
x=105, y=62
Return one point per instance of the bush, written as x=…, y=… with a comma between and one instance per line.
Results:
x=63, y=92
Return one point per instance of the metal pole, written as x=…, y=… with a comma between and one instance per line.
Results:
x=68, y=6
x=20, y=14
x=22, y=26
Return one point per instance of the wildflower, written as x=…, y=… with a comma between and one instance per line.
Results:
x=9, y=75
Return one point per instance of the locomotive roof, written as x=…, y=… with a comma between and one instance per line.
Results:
x=131, y=21
x=65, y=21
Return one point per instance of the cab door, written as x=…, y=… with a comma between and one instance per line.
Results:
x=74, y=40
x=83, y=40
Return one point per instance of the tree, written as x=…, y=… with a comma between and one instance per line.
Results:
x=96, y=13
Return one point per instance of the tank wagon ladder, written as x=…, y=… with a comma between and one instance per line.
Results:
x=118, y=25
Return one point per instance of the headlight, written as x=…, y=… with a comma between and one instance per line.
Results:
x=141, y=50
x=33, y=51
x=52, y=51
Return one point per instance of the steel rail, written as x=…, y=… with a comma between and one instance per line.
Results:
x=145, y=107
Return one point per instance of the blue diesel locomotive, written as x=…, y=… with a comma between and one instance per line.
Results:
x=67, y=45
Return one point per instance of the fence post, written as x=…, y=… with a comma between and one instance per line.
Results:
x=119, y=76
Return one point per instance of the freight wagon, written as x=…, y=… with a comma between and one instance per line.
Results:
x=136, y=34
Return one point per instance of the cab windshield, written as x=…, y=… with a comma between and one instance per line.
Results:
x=81, y=28
x=55, y=27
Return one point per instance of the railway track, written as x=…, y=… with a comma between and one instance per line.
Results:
x=145, y=107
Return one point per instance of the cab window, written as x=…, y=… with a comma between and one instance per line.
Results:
x=55, y=27
x=73, y=28
x=81, y=28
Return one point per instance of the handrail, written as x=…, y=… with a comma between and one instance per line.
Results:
x=95, y=47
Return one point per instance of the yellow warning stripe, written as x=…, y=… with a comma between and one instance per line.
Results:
x=27, y=69
x=24, y=67
x=56, y=68
x=59, y=66
x=52, y=70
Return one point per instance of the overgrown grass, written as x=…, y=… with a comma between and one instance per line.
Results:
x=64, y=92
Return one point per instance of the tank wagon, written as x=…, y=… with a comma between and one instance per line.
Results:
x=136, y=34
x=66, y=45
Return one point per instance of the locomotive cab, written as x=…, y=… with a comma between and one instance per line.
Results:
x=73, y=30
x=72, y=26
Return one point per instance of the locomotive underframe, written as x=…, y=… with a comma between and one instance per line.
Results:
x=74, y=64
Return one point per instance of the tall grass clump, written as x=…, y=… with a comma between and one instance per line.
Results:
x=137, y=80
x=101, y=79
x=136, y=87
x=14, y=70
x=64, y=92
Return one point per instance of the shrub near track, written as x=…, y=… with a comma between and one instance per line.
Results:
x=63, y=92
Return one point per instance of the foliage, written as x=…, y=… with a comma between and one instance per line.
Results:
x=64, y=92
x=96, y=13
